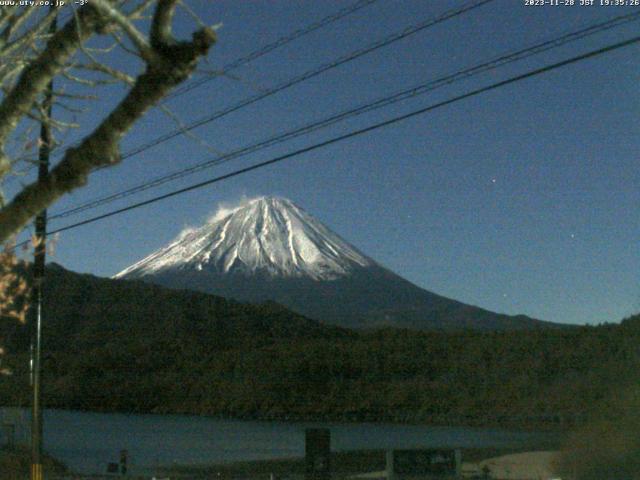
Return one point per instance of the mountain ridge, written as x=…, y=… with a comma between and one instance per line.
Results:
x=268, y=235
x=270, y=249
x=129, y=346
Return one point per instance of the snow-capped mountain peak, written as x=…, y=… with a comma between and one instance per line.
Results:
x=268, y=236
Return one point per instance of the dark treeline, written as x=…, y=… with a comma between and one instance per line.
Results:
x=132, y=347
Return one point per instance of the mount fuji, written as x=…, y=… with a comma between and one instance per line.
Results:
x=269, y=249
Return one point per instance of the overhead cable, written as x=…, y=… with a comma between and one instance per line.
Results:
x=421, y=89
x=355, y=133
x=274, y=45
x=404, y=33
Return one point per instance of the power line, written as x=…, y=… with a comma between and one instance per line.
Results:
x=237, y=63
x=276, y=44
x=383, y=102
x=406, y=32
x=359, y=132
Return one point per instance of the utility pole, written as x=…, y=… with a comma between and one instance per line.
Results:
x=40, y=250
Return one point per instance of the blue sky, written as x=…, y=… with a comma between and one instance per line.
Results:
x=520, y=200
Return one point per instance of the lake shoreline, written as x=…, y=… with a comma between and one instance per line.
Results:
x=557, y=423
x=343, y=463
x=88, y=442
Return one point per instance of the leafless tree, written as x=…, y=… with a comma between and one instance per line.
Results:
x=29, y=64
x=81, y=51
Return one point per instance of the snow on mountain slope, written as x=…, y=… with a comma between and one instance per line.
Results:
x=269, y=249
x=268, y=235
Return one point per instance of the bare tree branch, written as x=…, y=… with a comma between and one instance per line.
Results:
x=105, y=69
x=171, y=63
x=29, y=36
x=39, y=73
x=138, y=39
x=161, y=35
x=137, y=12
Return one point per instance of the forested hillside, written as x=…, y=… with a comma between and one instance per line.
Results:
x=128, y=346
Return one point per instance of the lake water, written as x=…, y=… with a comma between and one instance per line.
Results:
x=87, y=442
